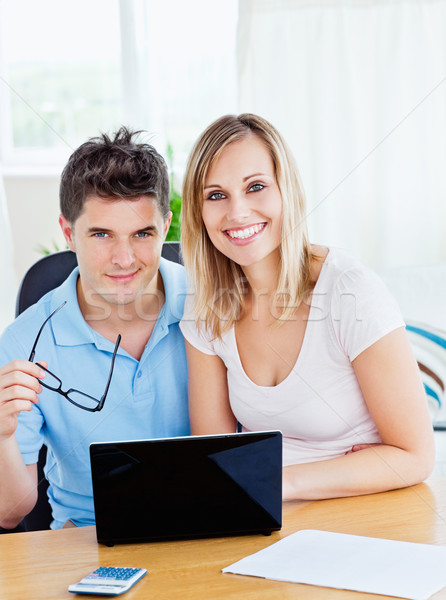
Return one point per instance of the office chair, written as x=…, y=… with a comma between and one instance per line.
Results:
x=46, y=274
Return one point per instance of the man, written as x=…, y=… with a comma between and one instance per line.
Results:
x=114, y=198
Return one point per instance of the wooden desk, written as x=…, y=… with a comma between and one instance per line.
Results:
x=192, y=569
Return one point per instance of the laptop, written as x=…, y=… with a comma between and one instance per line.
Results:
x=187, y=487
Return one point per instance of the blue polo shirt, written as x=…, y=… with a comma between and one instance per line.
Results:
x=146, y=399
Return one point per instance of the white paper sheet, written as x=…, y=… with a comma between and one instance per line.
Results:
x=350, y=562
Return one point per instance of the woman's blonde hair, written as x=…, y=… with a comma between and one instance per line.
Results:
x=218, y=282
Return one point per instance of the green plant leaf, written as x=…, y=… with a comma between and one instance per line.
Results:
x=174, y=233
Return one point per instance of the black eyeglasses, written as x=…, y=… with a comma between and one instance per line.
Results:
x=76, y=397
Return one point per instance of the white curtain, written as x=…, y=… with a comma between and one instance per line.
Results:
x=358, y=89
x=8, y=284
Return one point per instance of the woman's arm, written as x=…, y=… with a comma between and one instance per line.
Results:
x=390, y=382
x=209, y=407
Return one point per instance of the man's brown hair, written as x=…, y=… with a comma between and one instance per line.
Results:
x=113, y=167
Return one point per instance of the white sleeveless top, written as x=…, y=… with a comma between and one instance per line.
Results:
x=319, y=407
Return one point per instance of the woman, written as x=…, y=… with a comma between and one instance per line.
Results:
x=281, y=334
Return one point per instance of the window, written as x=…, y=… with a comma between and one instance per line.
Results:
x=60, y=76
x=72, y=70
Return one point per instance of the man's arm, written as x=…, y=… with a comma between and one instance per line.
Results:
x=19, y=387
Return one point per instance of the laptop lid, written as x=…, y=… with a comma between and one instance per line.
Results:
x=187, y=487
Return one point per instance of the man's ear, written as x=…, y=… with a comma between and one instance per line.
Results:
x=167, y=223
x=68, y=232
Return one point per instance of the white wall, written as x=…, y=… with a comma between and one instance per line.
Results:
x=33, y=204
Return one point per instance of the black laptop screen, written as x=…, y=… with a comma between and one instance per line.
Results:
x=187, y=487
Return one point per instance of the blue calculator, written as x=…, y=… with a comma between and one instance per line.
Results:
x=108, y=581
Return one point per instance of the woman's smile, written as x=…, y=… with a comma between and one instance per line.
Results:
x=245, y=234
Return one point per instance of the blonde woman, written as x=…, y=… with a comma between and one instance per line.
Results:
x=282, y=334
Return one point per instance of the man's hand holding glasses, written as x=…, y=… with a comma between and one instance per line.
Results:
x=19, y=389
x=22, y=381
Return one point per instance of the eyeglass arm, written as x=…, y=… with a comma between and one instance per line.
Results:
x=115, y=351
x=33, y=351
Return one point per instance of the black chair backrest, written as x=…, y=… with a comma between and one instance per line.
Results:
x=42, y=277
